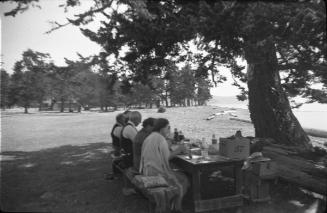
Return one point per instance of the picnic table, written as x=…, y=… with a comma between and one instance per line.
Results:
x=218, y=174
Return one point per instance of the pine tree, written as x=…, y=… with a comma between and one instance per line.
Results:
x=5, y=78
x=28, y=82
x=273, y=37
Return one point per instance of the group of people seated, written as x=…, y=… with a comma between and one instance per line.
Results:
x=148, y=150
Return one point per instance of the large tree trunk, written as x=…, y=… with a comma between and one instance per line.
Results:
x=269, y=107
x=70, y=106
x=40, y=106
x=25, y=109
x=62, y=105
x=166, y=99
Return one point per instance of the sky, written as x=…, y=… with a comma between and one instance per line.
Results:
x=27, y=30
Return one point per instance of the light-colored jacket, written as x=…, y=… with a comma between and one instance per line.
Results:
x=155, y=155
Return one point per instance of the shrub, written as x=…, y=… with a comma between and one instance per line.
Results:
x=161, y=109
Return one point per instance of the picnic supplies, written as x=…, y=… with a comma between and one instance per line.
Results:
x=261, y=166
x=214, y=139
x=214, y=147
x=180, y=136
x=265, y=168
x=235, y=146
x=204, y=148
x=176, y=136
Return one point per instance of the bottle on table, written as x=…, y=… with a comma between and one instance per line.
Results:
x=180, y=136
x=204, y=148
x=189, y=151
x=176, y=137
x=214, y=139
x=214, y=147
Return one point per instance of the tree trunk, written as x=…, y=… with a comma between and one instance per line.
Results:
x=25, y=109
x=166, y=99
x=158, y=103
x=70, y=106
x=62, y=106
x=269, y=107
x=53, y=101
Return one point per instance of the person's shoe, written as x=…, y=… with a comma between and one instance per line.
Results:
x=110, y=177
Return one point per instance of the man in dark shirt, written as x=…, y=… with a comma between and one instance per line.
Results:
x=139, y=139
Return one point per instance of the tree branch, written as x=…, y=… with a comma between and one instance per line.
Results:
x=81, y=17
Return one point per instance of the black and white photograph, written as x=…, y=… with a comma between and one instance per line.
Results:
x=163, y=106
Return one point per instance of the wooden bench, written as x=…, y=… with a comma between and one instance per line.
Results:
x=151, y=194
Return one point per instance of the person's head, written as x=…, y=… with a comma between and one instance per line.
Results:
x=162, y=126
x=135, y=117
x=120, y=119
x=148, y=124
x=126, y=114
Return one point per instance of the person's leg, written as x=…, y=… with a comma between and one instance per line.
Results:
x=182, y=182
x=115, y=169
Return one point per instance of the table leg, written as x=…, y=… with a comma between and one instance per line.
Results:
x=196, y=186
x=238, y=179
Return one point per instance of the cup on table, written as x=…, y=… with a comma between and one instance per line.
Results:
x=204, y=153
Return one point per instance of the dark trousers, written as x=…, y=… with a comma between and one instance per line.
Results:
x=128, y=160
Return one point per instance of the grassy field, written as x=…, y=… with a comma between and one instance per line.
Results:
x=52, y=162
x=36, y=131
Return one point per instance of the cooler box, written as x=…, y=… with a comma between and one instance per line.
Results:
x=234, y=147
x=264, y=168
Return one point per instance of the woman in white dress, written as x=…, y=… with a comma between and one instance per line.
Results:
x=155, y=160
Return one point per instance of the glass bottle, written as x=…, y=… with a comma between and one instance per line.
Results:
x=214, y=147
x=214, y=139
x=204, y=150
x=181, y=136
x=176, y=137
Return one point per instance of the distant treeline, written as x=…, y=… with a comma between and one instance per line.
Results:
x=37, y=81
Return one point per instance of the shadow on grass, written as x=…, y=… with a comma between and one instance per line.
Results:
x=63, y=179
x=71, y=179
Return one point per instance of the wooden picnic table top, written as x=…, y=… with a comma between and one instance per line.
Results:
x=198, y=160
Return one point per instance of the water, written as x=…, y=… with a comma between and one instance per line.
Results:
x=309, y=115
x=312, y=116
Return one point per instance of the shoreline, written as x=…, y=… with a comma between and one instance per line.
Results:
x=309, y=119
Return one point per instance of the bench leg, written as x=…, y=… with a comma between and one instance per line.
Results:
x=152, y=207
